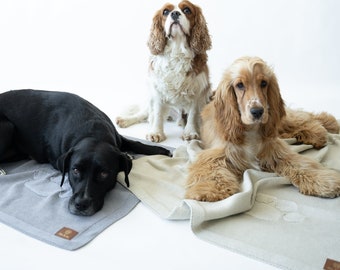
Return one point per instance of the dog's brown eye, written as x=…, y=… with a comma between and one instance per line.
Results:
x=104, y=175
x=187, y=10
x=76, y=171
x=263, y=84
x=166, y=12
x=240, y=86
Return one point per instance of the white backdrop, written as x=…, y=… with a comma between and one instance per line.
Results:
x=98, y=49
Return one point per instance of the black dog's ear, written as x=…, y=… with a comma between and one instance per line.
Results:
x=63, y=164
x=125, y=165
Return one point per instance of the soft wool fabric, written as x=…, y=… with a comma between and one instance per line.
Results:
x=32, y=202
x=268, y=220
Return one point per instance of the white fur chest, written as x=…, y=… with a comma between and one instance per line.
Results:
x=169, y=75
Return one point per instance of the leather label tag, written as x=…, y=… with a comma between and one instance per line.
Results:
x=66, y=233
x=331, y=265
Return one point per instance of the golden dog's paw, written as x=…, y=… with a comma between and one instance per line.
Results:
x=155, y=137
x=206, y=197
x=322, y=183
x=317, y=140
x=317, y=193
x=211, y=191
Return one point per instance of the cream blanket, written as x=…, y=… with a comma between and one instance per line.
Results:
x=268, y=220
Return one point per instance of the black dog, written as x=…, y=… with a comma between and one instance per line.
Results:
x=74, y=136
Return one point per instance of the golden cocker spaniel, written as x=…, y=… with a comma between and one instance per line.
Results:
x=241, y=129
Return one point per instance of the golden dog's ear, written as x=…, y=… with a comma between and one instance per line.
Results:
x=157, y=39
x=227, y=115
x=200, y=40
x=276, y=109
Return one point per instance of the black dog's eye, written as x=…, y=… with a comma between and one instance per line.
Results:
x=104, y=175
x=187, y=10
x=263, y=84
x=166, y=12
x=240, y=86
x=76, y=171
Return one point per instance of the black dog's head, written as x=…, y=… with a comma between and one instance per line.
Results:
x=92, y=168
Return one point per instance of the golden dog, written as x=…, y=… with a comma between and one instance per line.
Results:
x=241, y=129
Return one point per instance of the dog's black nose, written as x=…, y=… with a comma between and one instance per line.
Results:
x=256, y=112
x=175, y=15
x=82, y=203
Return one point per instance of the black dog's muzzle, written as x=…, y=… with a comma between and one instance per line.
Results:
x=83, y=205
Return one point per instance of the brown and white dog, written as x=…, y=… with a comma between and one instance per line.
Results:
x=241, y=129
x=178, y=72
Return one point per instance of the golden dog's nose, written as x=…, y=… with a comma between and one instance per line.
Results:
x=256, y=112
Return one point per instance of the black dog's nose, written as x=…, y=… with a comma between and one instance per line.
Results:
x=82, y=203
x=256, y=112
x=175, y=15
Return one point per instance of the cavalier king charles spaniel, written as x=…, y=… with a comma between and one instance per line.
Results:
x=178, y=72
x=240, y=131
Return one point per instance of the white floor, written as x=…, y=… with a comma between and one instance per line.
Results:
x=98, y=50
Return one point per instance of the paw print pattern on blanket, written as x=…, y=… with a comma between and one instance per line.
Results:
x=45, y=182
x=270, y=208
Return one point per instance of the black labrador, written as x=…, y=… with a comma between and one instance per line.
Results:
x=74, y=136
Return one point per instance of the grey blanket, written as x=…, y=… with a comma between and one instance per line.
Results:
x=33, y=202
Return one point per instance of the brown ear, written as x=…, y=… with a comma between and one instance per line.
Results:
x=276, y=109
x=200, y=40
x=157, y=39
x=227, y=115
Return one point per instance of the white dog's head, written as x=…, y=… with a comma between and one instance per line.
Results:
x=184, y=21
x=177, y=20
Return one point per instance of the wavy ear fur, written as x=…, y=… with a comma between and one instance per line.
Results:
x=276, y=109
x=200, y=40
x=157, y=39
x=227, y=115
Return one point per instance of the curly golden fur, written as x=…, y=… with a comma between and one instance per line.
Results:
x=241, y=128
x=308, y=128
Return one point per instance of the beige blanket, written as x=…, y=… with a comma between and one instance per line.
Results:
x=268, y=220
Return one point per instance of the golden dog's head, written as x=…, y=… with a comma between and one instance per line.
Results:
x=248, y=96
